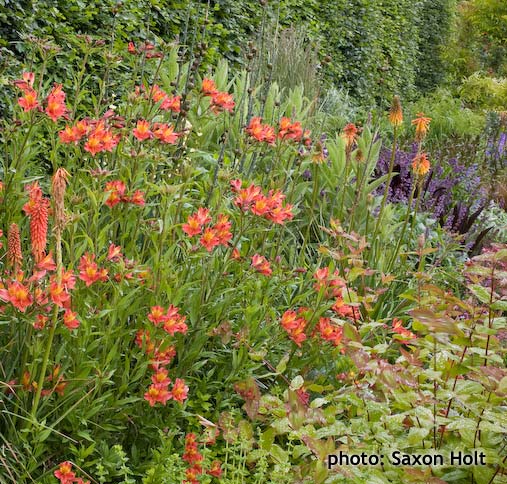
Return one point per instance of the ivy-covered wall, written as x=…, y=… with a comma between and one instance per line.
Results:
x=376, y=47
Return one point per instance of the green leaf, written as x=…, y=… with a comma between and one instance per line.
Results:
x=297, y=383
x=481, y=293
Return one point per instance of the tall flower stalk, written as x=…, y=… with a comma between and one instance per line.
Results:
x=420, y=167
x=396, y=120
x=58, y=187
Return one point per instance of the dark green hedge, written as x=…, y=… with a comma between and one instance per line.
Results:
x=377, y=47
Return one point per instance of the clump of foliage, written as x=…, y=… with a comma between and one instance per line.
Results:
x=480, y=39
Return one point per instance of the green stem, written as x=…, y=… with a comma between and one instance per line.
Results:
x=388, y=184
x=403, y=230
x=418, y=200
x=310, y=221
x=45, y=360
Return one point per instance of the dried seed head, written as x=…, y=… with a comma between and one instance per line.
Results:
x=396, y=113
x=14, y=254
x=58, y=186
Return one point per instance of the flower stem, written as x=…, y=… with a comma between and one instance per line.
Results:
x=403, y=230
x=54, y=320
x=388, y=183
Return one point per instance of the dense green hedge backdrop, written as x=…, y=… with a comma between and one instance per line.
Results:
x=375, y=47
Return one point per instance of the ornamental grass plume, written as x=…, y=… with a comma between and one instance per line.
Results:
x=14, y=254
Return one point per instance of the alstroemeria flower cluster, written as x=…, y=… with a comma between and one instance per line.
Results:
x=171, y=322
x=294, y=323
x=330, y=332
x=261, y=132
x=43, y=294
x=55, y=103
x=167, y=103
x=270, y=207
x=23, y=295
x=332, y=285
x=211, y=235
x=290, y=130
x=406, y=335
x=74, y=133
x=194, y=459
x=158, y=95
x=29, y=99
x=220, y=101
x=261, y=265
x=100, y=136
x=89, y=271
x=287, y=130
x=162, y=131
x=55, y=379
x=117, y=189
x=147, y=48
x=65, y=474
x=16, y=294
x=333, y=288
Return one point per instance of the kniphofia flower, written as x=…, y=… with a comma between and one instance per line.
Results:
x=14, y=254
x=58, y=187
x=421, y=124
x=421, y=165
x=396, y=112
x=349, y=134
x=37, y=209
